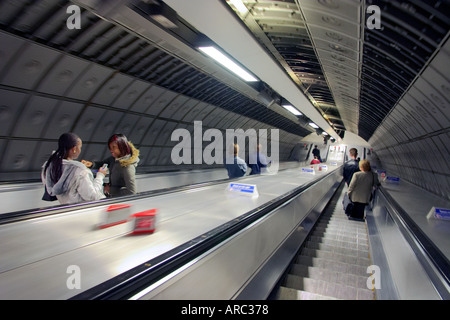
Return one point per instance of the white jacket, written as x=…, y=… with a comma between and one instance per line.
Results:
x=77, y=183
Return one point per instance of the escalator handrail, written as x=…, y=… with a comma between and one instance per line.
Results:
x=28, y=214
x=127, y=284
x=432, y=252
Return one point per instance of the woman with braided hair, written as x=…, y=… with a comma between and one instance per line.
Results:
x=69, y=180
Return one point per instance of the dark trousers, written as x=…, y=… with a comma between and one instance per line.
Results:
x=358, y=210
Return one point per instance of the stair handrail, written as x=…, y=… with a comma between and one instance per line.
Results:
x=435, y=263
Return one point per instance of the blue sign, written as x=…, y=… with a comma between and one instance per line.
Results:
x=308, y=170
x=393, y=179
x=246, y=189
x=440, y=213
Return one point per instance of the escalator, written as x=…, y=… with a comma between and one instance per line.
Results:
x=227, y=246
x=332, y=263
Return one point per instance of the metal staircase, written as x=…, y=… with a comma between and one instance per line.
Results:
x=332, y=263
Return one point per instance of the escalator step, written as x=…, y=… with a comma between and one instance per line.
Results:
x=324, y=288
x=322, y=226
x=339, y=236
x=327, y=275
x=334, y=256
x=333, y=265
x=346, y=242
x=337, y=249
x=293, y=294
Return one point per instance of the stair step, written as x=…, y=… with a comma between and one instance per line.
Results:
x=344, y=242
x=349, y=224
x=324, y=288
x=337, y=249
x=327, y=275
x=340, y=218
x=340, y=236
x=343, y=219
x=335, y=256
x=341, y=227
x=292, y=294
x=335, y=263
x=341, y=230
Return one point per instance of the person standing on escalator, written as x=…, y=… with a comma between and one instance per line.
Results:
x=351, y=166
x=316, y=153
x=236, y=167
x=68, y=180
x=122, y=166
x=360, y=189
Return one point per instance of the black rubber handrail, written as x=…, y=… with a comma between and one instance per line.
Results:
x=127, y=284
x=28, y=214
x=22, y=215
x=434, y=254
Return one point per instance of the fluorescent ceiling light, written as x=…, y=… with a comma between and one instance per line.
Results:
x=228, y=63
x=324, y=133
x=239, y=5
x=315, y=126
x=293, y=110
x=164, y=21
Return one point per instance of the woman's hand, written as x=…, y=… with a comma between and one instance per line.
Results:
x=103, y=170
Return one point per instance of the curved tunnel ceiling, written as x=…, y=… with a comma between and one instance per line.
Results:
x=412, y=33
x=107, y=44
x=281, y=27
x=354, y=75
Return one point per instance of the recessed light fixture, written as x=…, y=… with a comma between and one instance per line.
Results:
x=315, y=126
x=240, y=6
x=292, y=110
x=228, y=63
